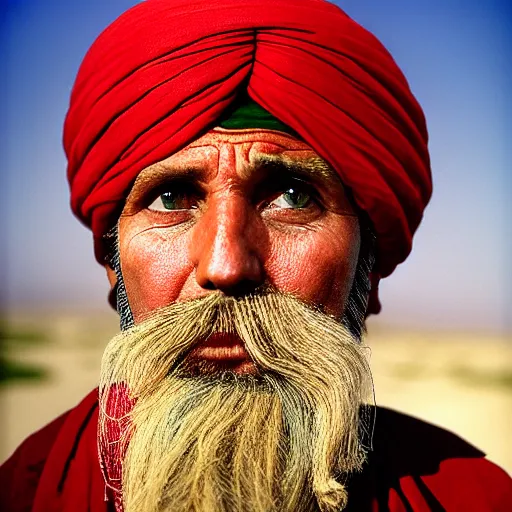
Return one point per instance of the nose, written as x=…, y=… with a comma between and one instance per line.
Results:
x=225, y=248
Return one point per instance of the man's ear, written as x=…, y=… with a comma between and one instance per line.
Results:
x=111, y=276
x=112, y=279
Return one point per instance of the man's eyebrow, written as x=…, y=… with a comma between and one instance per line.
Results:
x=314, y=167
x=157, y=175
x=162, y=171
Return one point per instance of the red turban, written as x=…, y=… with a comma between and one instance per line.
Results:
x=165, y=71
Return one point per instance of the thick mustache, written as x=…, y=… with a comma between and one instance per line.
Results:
x=220, y=308
x=281, y=334
x=224, y=330
x=217, y=301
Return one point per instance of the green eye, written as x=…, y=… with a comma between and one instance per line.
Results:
x=171, y=200
x=292, y=198
x=296, y=198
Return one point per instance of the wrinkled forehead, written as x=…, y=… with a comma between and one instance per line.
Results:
x=244, y=153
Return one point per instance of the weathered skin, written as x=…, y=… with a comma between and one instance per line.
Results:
x=234, y=230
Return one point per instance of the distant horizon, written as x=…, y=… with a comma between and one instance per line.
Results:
x=376, y=323
x=456, y=58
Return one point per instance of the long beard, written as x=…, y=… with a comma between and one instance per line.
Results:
x=282, y=440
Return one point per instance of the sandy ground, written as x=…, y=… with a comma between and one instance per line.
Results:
x=459, y=381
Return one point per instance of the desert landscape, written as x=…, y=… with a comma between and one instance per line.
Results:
x=461, y=381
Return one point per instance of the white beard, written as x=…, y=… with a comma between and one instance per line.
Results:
x=283, y=440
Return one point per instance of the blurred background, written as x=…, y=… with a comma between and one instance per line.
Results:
x=442, y=346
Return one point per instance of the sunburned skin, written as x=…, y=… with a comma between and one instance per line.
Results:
x=232, y=211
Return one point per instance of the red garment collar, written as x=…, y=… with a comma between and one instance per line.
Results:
x=71, y=480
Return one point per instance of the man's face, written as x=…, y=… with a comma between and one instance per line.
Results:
x=235, y=210
x=239, y=395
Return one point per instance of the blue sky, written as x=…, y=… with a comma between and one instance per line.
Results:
x=456, y=56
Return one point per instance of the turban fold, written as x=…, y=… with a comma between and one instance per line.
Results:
x=166, y=70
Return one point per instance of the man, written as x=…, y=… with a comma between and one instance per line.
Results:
x=250, y=171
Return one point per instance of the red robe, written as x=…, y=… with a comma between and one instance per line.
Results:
x=414, y=466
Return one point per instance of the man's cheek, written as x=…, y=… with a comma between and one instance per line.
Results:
x=316, y=267
x=155, y=266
